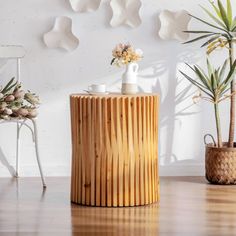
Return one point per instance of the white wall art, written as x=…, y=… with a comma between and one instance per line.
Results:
x=173, y=24
x=125, y=12
x=85, y=5
x=61, y=35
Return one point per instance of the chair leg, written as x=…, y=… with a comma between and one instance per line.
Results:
x=17, y=149
x=37, y=152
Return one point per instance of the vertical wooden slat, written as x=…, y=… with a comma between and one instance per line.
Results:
x=78, y=158
x=148, y=102
x=103, y=154
x=109, y=153
x=152, y=148
x=92, y=154
x=73, y=139
x=141, y=152
x=125, y=153
x=135, y=122
x=115, y=152
x=76, y=188
x=87, y=136
x=120, y=102
x=145, y=149
x=157, y=193
x=98, y=150
x=131, y=152
x=84, y=148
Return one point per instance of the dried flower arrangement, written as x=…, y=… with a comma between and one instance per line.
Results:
x=15, y=103
x=124, y=54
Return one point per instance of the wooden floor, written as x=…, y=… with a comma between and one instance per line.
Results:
x=188, y=206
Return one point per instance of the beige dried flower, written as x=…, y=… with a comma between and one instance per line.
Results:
x=8, y=111
x=3, y=105
x=22, y=112
x=10, y=98
x=32, y=113
x=31, y=98
x=19, y=94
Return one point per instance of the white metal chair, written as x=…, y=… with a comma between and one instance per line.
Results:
x=17, y=53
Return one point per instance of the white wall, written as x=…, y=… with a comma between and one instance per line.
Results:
x=54, y=74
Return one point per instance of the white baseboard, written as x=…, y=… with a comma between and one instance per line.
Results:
x=33, y=171
x=63, y=170
x=182, y=170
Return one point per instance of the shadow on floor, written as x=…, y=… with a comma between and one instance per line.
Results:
x=4, y=161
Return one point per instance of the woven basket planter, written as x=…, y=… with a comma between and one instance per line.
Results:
x=220, y=164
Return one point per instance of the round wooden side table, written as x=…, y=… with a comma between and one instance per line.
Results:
x=115, y=155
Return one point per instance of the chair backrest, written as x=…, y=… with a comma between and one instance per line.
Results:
x=13, y=52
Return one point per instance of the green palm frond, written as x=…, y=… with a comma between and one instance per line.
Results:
x=199, y=38
x=223, y=23
x=224, y=15
x=217, y=20
x=9, y=86
x=214, y=83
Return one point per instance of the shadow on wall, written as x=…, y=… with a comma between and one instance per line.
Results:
x=171, y=97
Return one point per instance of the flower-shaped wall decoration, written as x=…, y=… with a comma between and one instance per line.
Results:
x=125, y=12
x=61, y=35
x=85, y=5
x=173, y=24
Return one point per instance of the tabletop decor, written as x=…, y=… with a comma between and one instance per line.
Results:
x=126, y=55
x=15, y=103
x=218, y=84
x=114, y=149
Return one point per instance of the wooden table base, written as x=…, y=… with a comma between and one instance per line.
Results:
x=114, y=160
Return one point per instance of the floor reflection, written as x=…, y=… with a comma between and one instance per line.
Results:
x=116, y=221
x=188, y=206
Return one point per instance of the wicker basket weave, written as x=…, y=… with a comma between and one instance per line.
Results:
x=220, y=164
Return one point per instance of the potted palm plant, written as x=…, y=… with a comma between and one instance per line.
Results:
x=218, y=85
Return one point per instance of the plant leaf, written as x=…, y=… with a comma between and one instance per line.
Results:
x=112, y=61
x=229, y=12
x=193, y=69
x=210, y=40
x=12, y=86
x=5, y=89
x=223, y=14
x=231, y=74
x=213, y=17
x=223, y=68
x=216, y=9
x=203, y=78
x=198, y=38
x=233, y=26
x=210, y=69
x=214, y=26
x=196, y=84
x=234, y=29
x=199, y=32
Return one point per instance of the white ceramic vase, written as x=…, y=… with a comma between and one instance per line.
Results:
x=129, y=79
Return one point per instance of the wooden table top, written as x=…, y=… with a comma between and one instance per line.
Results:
x=114, y=95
